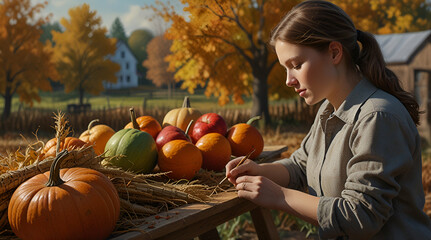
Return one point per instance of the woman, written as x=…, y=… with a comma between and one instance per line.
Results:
x=357, y=174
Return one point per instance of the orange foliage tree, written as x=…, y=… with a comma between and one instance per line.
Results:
x=81, y=52
x=157, y=50
x=388, y=16
x=25, y=62
x=222, y=46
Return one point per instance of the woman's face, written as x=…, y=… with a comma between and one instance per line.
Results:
x=310, y=72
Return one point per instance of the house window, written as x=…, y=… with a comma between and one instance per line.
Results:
x=123, y=54
x=128, y=78
x=127, y=65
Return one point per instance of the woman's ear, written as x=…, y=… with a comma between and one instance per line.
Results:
x=336, y=52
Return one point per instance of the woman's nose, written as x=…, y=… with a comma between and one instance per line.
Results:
x=291, y=81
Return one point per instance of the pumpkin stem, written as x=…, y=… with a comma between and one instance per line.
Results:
x=133, y=118
x=251, y=120
x=90, y=125
x=188, y=127
x=54, y=172
x=186, y=103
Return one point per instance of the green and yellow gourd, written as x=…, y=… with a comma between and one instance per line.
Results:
x=131, y=149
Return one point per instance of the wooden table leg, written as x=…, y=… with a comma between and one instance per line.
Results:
x=264, y=224
x=210, y=235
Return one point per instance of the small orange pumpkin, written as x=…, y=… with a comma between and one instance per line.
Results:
x=97, y=136
x=72, y=203
x=181, y=117
x=243, y=138
x=216, y=151
x=180, y=157
x=145, y=123
x=70, y=143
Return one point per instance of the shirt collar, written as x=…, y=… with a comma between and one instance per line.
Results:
x=348, y=110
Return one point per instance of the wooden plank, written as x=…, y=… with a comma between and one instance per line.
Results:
x=264, y=224
x=210, y=235
x=271, y=152
x=191, y=220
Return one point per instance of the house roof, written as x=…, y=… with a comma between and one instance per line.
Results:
x=120, y=42
x=400, y=47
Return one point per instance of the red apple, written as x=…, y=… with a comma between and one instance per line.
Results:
x=208, y=123
x=168, y=134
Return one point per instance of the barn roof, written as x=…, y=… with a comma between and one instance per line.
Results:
x=400, y=47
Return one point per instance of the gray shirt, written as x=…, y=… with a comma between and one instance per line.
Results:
x=364, y=162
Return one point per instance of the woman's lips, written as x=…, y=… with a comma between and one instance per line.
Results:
x=301, y=92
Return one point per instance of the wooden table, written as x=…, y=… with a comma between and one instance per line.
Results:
x=201, y=219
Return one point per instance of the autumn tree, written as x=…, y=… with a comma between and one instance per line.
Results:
x=26, y=63
x=47, y=28
x=157, y=66
x=81, y=53
x=390, y=16
x=117, y=30
x=222, y=46
x=138, y=42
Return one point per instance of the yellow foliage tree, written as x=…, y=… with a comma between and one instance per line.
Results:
x=81, y=53
x=222, y=46
x=25, y=62
x=388, y=16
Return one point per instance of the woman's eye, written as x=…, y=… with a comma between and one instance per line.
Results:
x=297, y=67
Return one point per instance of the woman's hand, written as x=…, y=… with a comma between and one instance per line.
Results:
x=261, y=191
x=247, y=168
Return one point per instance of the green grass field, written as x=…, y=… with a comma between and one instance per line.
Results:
x=153, y=98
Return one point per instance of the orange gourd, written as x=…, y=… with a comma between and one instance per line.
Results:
x=145, y=123
x=216, y=151
x=73, y=203
x=97, y=136
x=180, y=157
x=181, y=117
x=243, y=138
x=69, y=143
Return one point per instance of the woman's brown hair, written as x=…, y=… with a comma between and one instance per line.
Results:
x=317, y=23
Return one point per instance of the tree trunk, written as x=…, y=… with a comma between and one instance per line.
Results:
x=81, y=96
x=169, y=90
x=7, y=103
x=260, y=97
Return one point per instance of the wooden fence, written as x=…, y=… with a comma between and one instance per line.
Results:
x=30, y=121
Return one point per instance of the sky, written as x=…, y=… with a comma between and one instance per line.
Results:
x=129, y=12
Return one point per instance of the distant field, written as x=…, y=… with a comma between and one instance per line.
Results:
x=153, y=97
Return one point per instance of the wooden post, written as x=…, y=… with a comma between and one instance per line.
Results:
x=264, y=224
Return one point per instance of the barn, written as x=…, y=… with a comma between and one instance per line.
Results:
x=408, y=55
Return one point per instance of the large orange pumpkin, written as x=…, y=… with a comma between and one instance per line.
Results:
x=216, y=151
x=180, y=157
x=243, y=138
x=70, y=143
x=145, y=123
x=74, y=203
x=181, y=117
x=97, y=136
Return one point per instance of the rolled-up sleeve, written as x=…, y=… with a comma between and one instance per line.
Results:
x=382, y=147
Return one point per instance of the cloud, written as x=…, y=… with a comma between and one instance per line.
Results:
x=59, y=3
x=137, y=18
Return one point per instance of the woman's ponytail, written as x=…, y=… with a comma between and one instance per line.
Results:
x=373, y=67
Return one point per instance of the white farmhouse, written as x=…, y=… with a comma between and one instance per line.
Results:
x=127, y=76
